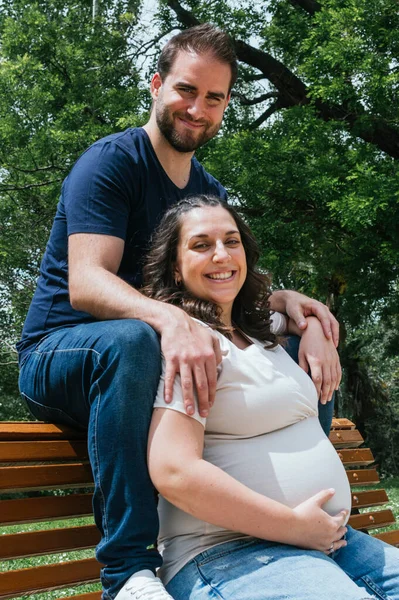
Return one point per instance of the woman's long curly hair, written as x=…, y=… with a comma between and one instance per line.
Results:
x=251, y=312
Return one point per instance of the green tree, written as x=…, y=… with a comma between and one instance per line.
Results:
x=65, y=81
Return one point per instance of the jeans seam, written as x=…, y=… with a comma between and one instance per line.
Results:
x=52, y=409
x=223, y=553
x=105, y=521
x=38, y=351
x=98, y=477
x=374, y=588
x=205, y=581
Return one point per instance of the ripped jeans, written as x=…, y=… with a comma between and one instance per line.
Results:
x=253, y=569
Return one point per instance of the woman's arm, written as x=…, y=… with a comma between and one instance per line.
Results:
x=318, y=355
x=203, y=490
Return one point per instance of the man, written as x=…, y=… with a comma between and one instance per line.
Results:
x=90, y=353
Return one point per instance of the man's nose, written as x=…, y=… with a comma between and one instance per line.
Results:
x=197, y=108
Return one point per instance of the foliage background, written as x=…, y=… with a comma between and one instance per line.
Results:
x=309, y=149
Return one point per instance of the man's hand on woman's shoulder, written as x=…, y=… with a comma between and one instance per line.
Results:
x=193, y=351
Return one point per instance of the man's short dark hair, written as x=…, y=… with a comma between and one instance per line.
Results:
x=201, y=39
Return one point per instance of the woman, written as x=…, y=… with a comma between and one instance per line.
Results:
x=247, y=508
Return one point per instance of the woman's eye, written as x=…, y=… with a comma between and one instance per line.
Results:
x=200, y=246
x=233, y=242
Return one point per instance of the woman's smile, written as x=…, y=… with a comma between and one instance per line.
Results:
x=221, y=277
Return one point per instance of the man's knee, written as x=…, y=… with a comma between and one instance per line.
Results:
x=131, y=336
x=132, y=350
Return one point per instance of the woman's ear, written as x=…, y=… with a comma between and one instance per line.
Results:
x=177, y=276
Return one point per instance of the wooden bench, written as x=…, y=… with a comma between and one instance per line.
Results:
x=37, y=456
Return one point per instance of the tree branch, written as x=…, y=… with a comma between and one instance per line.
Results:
x=310, y=6
x=252, y=77
x=16, y=188
x=185, y=16
x=37, y=170
x=251, y=101
x=264, y=116
x=291, y=89
x=147, y=45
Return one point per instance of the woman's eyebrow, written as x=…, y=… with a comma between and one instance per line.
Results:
x=206, y=235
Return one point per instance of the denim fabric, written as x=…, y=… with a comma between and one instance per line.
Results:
x=252, y=569
x=326, y=411
x=103, y=376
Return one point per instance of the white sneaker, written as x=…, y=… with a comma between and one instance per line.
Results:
x=143, y=585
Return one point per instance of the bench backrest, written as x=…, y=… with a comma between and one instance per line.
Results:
x=39, y=456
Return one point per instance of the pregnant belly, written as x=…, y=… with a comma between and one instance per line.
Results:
x=289, y=465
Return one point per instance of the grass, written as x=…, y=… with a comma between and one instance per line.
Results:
x=24, y=563
x=391, y=485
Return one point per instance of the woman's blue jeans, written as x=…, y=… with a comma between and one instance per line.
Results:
x=103, y=376
x=252, y=569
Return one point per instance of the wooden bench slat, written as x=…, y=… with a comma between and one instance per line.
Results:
x=51, y=541
x=390, y=537
x=46, y=508
x=372, y=520
x=346, y=439
x=342, y=424
x=363, y=477
x=356, y=457
x=368, y=498
x=89, y=596
x=48, y=577
x=34, y=451
x=37, y=430
x=42, y=477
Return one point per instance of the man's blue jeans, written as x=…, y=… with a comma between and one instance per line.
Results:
x=103, y=376
x=252, y=569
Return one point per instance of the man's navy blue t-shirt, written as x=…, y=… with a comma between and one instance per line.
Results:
x=117, y=187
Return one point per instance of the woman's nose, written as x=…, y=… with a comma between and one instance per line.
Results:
x=221, y=253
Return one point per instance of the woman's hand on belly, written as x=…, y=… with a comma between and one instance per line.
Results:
x=316, y=530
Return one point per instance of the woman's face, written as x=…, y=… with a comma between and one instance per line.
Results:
x=211, y=259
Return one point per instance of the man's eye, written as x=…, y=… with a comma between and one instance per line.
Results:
x=186, y=90
x=213, y=101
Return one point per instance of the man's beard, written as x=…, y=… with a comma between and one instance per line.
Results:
x=182, y=143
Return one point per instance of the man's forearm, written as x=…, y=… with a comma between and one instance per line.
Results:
x=278, y=301
x=106, y=296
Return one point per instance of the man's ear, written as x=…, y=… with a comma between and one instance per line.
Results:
x=156, y=84
x=227, y=101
